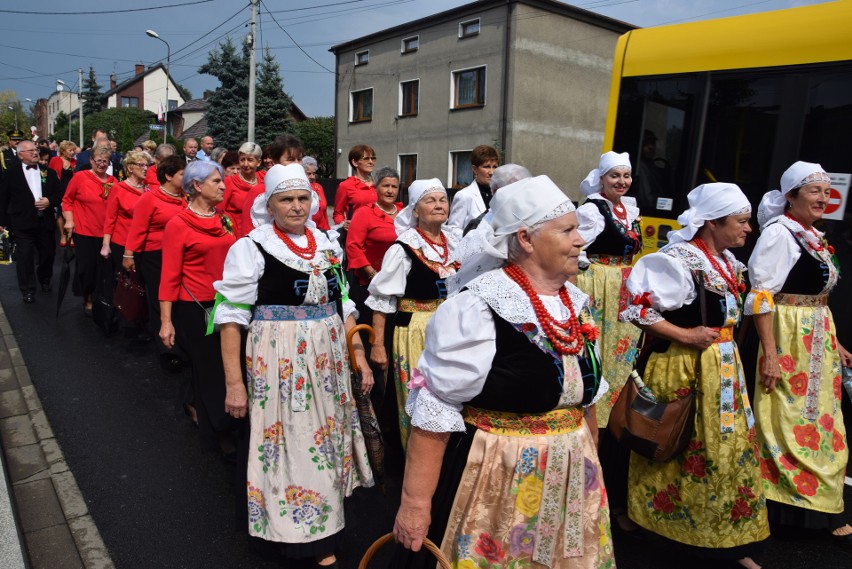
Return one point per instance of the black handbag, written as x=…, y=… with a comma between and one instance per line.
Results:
x=103, y=311
x=129, y=297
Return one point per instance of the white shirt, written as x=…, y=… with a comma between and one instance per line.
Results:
x=467, y=205
x=592, y=222
x=33, y=177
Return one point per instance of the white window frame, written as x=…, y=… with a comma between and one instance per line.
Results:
x=453, y=87
x=463, y=35
x=450, y=165
x=399, y=107
x=358, y=54
x=402, y=48
x=352, y=105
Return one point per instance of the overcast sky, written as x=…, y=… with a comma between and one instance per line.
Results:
x=39, y=48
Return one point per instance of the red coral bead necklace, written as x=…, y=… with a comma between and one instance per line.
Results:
x=445, y=255
x=729, y=276
x=565, y=337
x=307, y=252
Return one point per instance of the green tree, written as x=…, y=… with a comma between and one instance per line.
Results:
x=8, y=98
x=60, y=126
x=317, y=135
x=124, y=125
x=185, y=93
x=272, y=104
x=227, y=107
x=91, y=94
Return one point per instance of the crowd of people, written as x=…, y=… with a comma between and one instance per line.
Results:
x=506, y=324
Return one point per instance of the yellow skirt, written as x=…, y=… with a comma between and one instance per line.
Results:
x=618, y=342
x=803, y=450
x=407, y=346
x=711, y=494
x=535, y=500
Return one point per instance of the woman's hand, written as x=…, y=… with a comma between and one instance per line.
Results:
x=167, y=334
x=411, y=524
x=105, y=250
x=699, y=338
x=770, y=371
x=367, y=380
x=128, y=263
x=379, y=356
x=346, y=223
x=69, y=227
x=236, y=399
x=845, y=356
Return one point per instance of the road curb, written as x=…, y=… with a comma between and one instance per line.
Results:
x=52, y=516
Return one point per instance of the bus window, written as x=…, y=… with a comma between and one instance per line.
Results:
x=740, y=132
x=656, y=120
x=825, y=138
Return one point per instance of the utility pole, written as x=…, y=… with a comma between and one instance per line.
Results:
x=80, y=102
x=252, y=60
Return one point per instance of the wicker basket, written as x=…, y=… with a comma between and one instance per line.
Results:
x=427, y=543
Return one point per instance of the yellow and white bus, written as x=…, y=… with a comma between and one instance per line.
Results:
x=733, y=99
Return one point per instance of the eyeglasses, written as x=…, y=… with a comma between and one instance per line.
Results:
x=141, y=165
x=28, y=150
x=369, y=158
x=101, y=161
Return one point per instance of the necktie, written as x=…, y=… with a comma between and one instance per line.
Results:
x=32, y=167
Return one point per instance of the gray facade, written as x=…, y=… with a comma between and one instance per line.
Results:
x=547, y=70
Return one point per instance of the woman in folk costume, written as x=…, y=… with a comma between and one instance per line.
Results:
x=411, y=283
x=306, y=453
x=501, y=467
x=688, y=298
x=803, y=449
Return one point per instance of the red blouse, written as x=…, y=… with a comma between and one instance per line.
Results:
x=57, y=165
x=321, y=217
x=236, y=190
x=194, y=250
x=119, y=214
x=353, y=193
x=151, y=177
x=245, y=217
x=150, y=216
x=86, y=198
x=370, y=235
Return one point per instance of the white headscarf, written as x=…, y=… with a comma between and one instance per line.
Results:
x=525, y=203
x=279, y=179
x=799, y=174
x=706, y=202
x=608, y=161
x=418, y=189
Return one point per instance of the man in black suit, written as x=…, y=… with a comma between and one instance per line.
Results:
x=28, y=195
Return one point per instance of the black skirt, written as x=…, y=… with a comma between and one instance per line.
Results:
x=86, y=264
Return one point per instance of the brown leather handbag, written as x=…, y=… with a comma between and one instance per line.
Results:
x=129, y=297
x=655, y=430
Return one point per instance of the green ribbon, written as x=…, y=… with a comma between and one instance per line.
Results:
x=219, y=300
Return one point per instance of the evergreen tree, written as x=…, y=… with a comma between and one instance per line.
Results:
x=272, y=104
x=60, y=126
x=317, y=134
x=227, y=107
x=91, y=94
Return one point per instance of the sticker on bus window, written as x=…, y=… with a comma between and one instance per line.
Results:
x=665, y=204
x=836, y=206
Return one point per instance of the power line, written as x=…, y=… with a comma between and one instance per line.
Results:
x=100, y=12
x=293, y=40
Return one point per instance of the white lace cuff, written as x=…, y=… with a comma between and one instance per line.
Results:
x=602, y=389
x=380, y=303
x=759, y=302
x=429, y=413
x=640, y=315
x=226, y=313
x=350, y=309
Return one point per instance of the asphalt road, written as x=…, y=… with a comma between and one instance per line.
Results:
x=159, y=501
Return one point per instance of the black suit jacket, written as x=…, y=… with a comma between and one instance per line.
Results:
x=17, y=205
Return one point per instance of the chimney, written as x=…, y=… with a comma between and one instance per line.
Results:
x=140, y=69
x=112, y=82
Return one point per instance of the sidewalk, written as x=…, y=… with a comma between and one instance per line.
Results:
x=52, y=515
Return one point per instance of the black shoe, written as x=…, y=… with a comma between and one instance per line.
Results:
x=171, y=363
x=87, y=311
x=45, y=287
x=29, y=298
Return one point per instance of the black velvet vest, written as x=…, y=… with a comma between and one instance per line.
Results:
x=280, y=284
x=525, y=379
x=614, y=239
x=808, y=276
x=422, y=282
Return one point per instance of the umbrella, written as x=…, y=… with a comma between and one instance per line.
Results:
x=65, y=273
x=369, y=423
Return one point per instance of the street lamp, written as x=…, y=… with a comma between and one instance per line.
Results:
x=11, y=108
x=153, y=34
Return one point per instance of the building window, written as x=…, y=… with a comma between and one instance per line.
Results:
x=469, y=28
x=469, y=88
x=407, y=174
x=410, y=44
x=362, y=106
x=130, y=102
x=173, y=104
x=461, y=173
x=362, y=58
x=409, y=98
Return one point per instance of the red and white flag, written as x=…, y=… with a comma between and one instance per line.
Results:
x=160, y=112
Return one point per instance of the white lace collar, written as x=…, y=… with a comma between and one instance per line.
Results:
x=628, y=202
x=695, y=260
x=411, y=238
x=812, y=237
x=510, y=302
x=265, y=237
